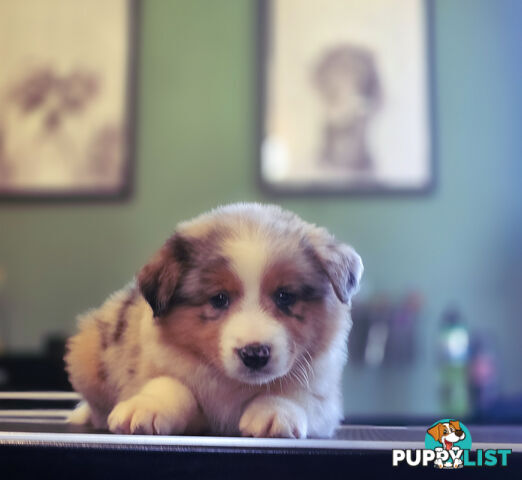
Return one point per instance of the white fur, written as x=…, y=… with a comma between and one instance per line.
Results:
x=274, y=416
x=163, y=406
x=251, y=324
x=80, y=415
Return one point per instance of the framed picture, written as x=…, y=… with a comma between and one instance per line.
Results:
x=345, y=100
x=66, y=98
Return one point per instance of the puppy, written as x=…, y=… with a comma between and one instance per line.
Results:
x=238, y=325
x=448, y=433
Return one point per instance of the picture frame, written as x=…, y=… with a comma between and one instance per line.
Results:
x=344, y=99
x=67, y=100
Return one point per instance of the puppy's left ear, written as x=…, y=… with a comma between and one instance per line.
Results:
x=342, y=265
x=159, y=278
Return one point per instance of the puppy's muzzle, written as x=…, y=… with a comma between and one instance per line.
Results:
x=254, y=355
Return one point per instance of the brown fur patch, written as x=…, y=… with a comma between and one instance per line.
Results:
x=193, y=323
x=297, y=274
x=103, y=327
x=208, y=279
x=83, y=366
x=199, y=337
x=310, y=320
x=180, y=271
x=121, y=323
x=158, y=279
x=134, y=359
x=102, y=373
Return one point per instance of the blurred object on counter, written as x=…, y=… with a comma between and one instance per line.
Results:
x=483, y=373
x=401, y=344
x=378, y=330
x=384, y=331
x=453, y=360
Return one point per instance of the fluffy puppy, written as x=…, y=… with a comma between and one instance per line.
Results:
x=238, y=325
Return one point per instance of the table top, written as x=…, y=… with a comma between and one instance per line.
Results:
x=52, y=432
x=48, y=426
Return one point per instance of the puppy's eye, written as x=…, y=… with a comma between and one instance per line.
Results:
x=220, y=301
x=284, y=299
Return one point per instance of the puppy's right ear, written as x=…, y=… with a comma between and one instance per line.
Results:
x=159, y=278
x=435, y=432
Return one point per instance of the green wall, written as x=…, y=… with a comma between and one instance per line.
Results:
x=196, y=149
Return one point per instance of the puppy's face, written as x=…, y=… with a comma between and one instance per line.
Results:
x=253, y=291
x=447, y=432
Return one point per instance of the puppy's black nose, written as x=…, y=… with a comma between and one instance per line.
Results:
x=254, y=355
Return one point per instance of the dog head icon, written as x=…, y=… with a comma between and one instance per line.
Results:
x=447, y=433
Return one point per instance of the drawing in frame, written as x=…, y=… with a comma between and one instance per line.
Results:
x=345, y=97
x=66, y=99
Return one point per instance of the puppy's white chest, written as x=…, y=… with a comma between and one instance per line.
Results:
x=221, y=403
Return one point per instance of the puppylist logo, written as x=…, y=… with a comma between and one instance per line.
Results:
x=448, y=446
x=448, y=439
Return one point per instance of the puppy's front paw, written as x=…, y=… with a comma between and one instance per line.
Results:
x=145, y=415
x=273, y=417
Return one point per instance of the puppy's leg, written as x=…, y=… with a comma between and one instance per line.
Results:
x=85, y=414
x=273, y=416
x=163, y=406
x=81, y=415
